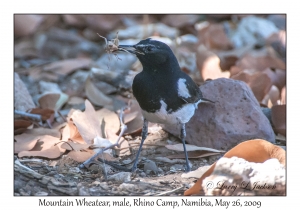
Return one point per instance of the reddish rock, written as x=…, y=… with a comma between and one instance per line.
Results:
x=259, y=82
x=208, y=64
x=214, y=37
x=234, y=117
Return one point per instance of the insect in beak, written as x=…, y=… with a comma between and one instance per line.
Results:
x=134, y=51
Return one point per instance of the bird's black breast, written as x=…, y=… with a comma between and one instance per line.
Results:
x=150, y=88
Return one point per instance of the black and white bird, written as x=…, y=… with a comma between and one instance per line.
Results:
x=165, y=94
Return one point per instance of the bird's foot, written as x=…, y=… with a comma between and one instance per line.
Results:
x=187, y=168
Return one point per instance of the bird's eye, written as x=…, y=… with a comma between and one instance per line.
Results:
x=149, y=48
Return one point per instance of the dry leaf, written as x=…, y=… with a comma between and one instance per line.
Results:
x=45, y=113
x=81, y=156
x=179, y=147
x=109, y=120
x=95, y=95
x=135, y=124
x=256, y=150
x=25, y=142
x=130, y=116
x=44, y=131
x=26, y=24
x=74, y=100
x=21, y=125
x=87, y=123
x=74, y=146
x=70, y=132
x=194, y=154
x=47, y=146
x=48, y=101
x=67, y=66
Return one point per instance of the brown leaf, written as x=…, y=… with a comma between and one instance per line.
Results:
x=136, y=124
x=45, y=113
x=194, y=154
x=25, y=142
x=48, y=101
x=26, y=24
x=44, y=131
x=278, y=115
x=179, y=147
x=81, y=156
x=68, y=66
x=70, y=132
x=21, y=125
x=109, y=120
x=87, y=123
x=74, y=100
x=47, y=146
x=256, y=150
x=74, y=146
x=25, y=49
x=95, y=95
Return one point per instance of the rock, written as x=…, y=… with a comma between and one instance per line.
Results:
x=178, y=21
x=267, y=113
x=208, y=64
x=150, y=166
x=142, y=31
x=252, y=30
x=236, y=176
x=234, y=117
x=120, y=177
x=278, y=20
x=195, y=174
x=214, y=36
x=23, y=100
x=177, y=167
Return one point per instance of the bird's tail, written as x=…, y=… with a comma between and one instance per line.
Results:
x=207, y=100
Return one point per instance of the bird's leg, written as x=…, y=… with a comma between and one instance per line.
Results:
x=144, y=135
x=182, y=136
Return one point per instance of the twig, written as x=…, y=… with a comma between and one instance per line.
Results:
x=36, y=117
x=123, y=128
x=171, y=191
x=138, y=144
x=58, y=112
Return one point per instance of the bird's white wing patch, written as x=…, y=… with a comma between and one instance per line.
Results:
x=182, y=88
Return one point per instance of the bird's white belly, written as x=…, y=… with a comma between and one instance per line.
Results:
x=182, y=115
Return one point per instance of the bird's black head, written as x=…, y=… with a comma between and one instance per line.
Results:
x=152, y=53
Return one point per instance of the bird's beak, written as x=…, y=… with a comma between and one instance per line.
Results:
x=133, y=51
